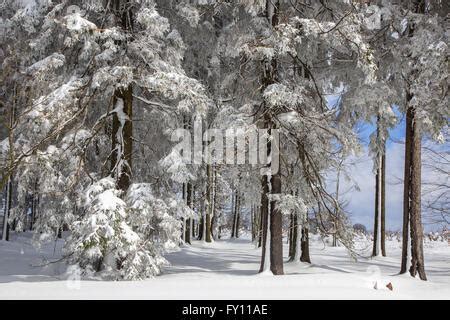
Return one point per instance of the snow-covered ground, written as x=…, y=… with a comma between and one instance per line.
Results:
x=228, y=270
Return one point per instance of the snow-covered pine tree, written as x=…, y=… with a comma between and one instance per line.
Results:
x=422, y=45
x=74, y=106
x=413, y=56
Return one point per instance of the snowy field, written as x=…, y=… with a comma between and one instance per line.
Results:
x=228, y=270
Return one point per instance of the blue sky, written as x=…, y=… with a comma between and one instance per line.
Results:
x=361, y=203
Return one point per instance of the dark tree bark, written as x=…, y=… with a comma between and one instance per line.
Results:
x=255, y=229
x=200, y=228
x=383, y=202
x=253, y=222
x=264, y=216
x=406, y=190
x=8, y=202
x=208, y=227
x=123, y=176
x=417, y=259
x=291, y=234
x=233, y=226
x=276, y=229
x=412, y=216
x=201, y=221
x=195, y=222
x=260, y=226
x=34, y=204
x=238, y=216
x=305, y=246
x=272, y=214
x=183, y=220
x=214, y=211
x=233, y=212
x=380, y=186
x=412, y=219
x=293, y=242
x=377, y=212
x=32, y=215
x=209, y=205
x=187, y=237
x=122, y=9
x=9, y=175
x=213, y=221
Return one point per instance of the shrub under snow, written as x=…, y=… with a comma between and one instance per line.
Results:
x=119, y=239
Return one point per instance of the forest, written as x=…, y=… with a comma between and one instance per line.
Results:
x=159, y=139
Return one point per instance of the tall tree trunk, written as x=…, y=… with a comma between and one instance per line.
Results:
x=296, y=244
x=273, y=240
x=417, y=261
x=35, y=200
x=183, y=219
x=9, y=181
x=207, y=227
x=233, y=212
x=412, y=217
x=260, y=226
x=375, y=249
x=291, y=235
x=122, y=126
x=383, y=202
x=406, y=190
x=238, y=215
x=265, y=230
x=379, y=190
x=32, y=215
x=122, y=143
x=415, y=216
x=412, y=220
x=305, y=246
x=7, y=209
x=253, y=222
x=188, y=231
x=200, y=226
x=195, y=222
x=272, y=253
x=214, y=202
x=255, y=212
x=276, y=230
